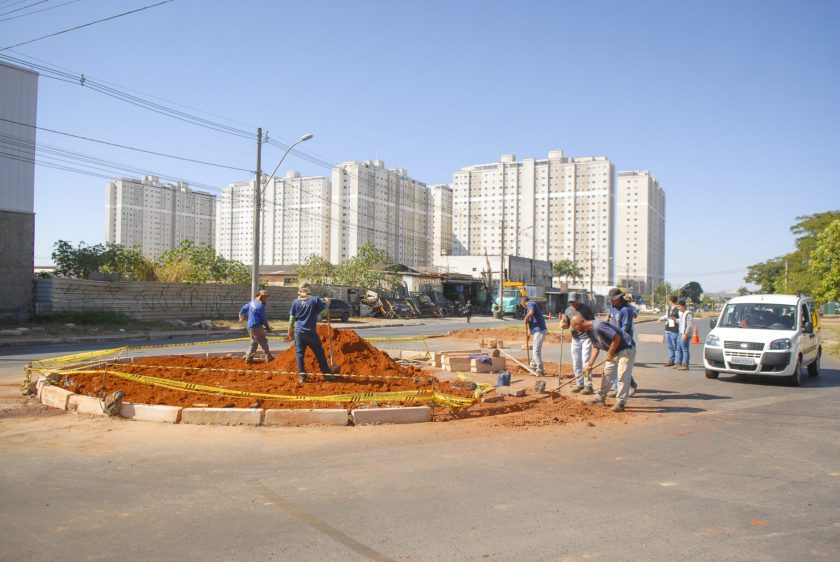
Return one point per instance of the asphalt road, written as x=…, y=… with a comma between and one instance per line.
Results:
x=728, y=469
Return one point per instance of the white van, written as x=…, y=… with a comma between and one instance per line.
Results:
x=767, y=335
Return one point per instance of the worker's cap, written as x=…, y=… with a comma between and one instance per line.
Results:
x=615, y=293
x=304, y=290
x=263, y=294
x=574, y=297
x=628, y=297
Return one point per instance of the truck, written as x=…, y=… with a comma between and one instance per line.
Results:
x=512, y=293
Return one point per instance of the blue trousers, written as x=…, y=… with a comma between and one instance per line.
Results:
x=672, y=345
x=683, y=350
x=310, y=339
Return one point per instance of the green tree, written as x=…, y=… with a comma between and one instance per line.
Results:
x=316, y=270
x=693, y=291
x=567, y=269
x=79, y=262
x=825, y=262
x=768, y=275
x=199, y=264
x=743, y=291
x=661, y=293
x=121, y=263
x=371, y=268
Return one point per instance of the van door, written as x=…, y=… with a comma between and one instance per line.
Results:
x=808, y=341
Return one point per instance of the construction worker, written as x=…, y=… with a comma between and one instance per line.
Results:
x=686, y=325
x=254, y=312
x=581, y=346
x=302, y=319
x=621, y=354
x=535, y=324
x=622, y=314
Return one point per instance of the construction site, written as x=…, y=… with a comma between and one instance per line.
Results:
x=476, y=377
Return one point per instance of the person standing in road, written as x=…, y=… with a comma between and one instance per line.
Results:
x=535, y=324
x=621, y=354
x=672, y=329
x=303, y=317
x=686, y=325
x=581, y=346
x=622, y=315
x=254, y=312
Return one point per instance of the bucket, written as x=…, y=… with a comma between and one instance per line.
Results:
x=539, y=387
x=504, y=378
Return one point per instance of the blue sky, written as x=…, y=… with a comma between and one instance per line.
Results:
x=733, y=106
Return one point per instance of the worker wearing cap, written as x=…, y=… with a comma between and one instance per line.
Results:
x=303, y=317
x=257, y=326
x=581, y=346
x=621, y=354
x=535, y=324
x=622, y=314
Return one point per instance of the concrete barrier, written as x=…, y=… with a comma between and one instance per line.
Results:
x=85, y=405
x=222, y=416
x=55, y=396
x=317, y=416
x=151, y=412
x=414, y=414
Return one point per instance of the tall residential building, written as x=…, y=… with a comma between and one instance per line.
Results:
x=18, y=108
x=157, y=216
x=294, y=222
x=640, y=232
x=553, y=209
x=384, y=207
x=440, y=223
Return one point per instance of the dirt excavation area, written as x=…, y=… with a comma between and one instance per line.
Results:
x=363, y=371
x=511, y=334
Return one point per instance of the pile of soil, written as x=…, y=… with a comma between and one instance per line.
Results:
x=374, y=371
x=535, y=411
x=507, y=334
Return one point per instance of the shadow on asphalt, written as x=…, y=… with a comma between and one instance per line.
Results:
x=664, y=409
x=669, y=395
x=827, y=378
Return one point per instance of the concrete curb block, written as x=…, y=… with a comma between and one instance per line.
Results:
x=414, y=414
x=151, y=412
x=316, y=416
x=222, y=416
x=55, y=396
x=81, y=404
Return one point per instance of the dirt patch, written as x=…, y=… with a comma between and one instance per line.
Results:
x=536, y=411
x=506, y=334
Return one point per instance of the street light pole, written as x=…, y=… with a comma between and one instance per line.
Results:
x=255, y=267
x=500, y=313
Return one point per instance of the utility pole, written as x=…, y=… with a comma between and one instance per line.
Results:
x=255, y=266
x=591, y=293
x=501, y=312
x=786, y=276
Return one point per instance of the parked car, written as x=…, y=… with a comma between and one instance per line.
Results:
x=339, y=311
x=767, y=335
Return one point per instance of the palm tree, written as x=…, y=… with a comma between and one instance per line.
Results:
x=567, y=269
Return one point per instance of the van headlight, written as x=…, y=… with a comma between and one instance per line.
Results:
x=713, y=340
x=780, y=344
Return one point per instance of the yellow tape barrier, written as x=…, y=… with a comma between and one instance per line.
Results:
x=397, y=396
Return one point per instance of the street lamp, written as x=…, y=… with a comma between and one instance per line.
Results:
x=258, y=192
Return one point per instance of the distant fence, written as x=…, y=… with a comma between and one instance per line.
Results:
x=153, y=300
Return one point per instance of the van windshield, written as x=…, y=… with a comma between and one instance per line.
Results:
x=759, y=315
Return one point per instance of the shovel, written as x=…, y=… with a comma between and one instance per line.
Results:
x=527, y=344
x=333, y=366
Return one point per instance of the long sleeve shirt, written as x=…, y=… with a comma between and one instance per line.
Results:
x=256, y=314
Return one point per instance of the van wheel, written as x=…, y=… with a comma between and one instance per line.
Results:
x=711, y=374
x=796, y=377
x=814, y=368
x=345, y=317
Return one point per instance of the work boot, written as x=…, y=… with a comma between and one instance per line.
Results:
x=619, y=407
x=587, y=390
x=611, y=393
x=249, y=361
x=269, y=358
x=578, y=388
x=668, y=364
x=598, y=399
x=302, y=377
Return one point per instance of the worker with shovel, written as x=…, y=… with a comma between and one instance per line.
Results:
x=534, y=327
x=581, y=346
x=621, y=354
x=303, y=317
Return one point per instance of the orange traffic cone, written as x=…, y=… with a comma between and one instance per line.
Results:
x=696, y=337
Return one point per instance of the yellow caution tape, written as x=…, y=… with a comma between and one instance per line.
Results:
x=273, y=372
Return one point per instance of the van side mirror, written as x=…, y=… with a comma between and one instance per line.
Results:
x=712, y=322
x=808, y=327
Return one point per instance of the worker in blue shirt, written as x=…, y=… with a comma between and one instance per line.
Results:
x=622, y=314
x=621, y=354
x=303, y=317
x=257, y=326
x=535, y=324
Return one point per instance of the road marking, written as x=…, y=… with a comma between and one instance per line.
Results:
x=307, y=518
x=796, y=532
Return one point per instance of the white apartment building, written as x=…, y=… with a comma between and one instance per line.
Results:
x=384, y=207
x=440, y=229
x=294, y=222
x=157, y=216
x=553, y=209
x=640, y=232
x=19, y=106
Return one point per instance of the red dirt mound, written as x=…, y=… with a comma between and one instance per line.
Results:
x=507, y=334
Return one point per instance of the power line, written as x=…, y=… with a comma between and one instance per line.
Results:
x=87, y=24
x=39, y=11
x=24, y=7
x=143, y=150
